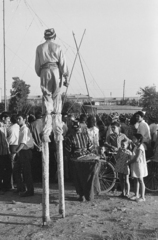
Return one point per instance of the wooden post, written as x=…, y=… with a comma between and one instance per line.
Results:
x=47, y=127
x=59, y=145
x=45, y=183
x=58, y=136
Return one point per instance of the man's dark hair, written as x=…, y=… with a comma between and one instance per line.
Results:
x=5, y=115
x=38, y=115
x=91, y=121
x=122, y=119
x=140, y=113
x=117, y=124
x=83, y=117
x=13, y=118
x=31, y=118
x=23, y=115
x=139, y=137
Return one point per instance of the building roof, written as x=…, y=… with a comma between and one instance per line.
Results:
x=78, y=96
x=114, y=108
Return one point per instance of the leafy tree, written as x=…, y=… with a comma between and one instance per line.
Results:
x=124, y=101
x=134, y=102
x=148, y=98
x=71, y=107
x=19, y=94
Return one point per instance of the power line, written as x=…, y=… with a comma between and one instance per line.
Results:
x=20, y=43
x=19, y=57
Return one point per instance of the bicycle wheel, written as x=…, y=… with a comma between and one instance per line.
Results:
x=107, y=177
x=151, y=181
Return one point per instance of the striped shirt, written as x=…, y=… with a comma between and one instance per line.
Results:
x=78, y=144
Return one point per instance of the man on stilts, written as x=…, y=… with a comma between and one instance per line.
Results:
x=50, y=66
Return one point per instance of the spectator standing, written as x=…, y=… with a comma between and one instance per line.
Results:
x=114, y=139
x=36, y=128
x=13, y=139
x=123, y=155
x=24, y=156
x=79, y=146
x=4, y=153
x=138, y=167
x=143, y=129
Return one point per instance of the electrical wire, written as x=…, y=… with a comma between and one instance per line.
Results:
x=19, y=57
x=20, y=44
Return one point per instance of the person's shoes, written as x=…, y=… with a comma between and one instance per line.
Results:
x=134, y=198
x=82, y=199
x=122, y=195
x=141, y=200
x=26, y=194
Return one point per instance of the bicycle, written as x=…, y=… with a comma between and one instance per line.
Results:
x=151, y=181
x=107, y=174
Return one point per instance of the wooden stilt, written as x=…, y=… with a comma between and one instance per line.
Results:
x=45, y=183
x=47, y=126
x=58, y=136
x=59, y=145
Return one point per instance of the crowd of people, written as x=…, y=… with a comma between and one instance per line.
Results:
x=87, y=139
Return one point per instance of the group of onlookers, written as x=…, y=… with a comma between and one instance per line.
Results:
x=132, y=141
x=16, y=144
x=21, y=156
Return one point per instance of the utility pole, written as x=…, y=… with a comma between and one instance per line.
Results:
x=124, y=90
x=4, y=58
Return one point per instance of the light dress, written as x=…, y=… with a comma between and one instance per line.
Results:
x=139, y=167
x=122, y=157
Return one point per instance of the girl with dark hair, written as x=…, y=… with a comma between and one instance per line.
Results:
x=138, y=167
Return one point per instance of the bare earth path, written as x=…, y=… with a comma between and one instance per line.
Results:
x=108, y=217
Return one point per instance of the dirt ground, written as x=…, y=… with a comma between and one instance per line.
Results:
x=107, y=217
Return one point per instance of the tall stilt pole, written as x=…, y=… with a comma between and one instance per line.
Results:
x=60, y=164
x=58, y=136
x=45, y=183
x=47, y=128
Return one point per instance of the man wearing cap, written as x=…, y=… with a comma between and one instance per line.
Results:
x=50, y=66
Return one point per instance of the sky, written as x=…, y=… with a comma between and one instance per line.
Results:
x=120, y=43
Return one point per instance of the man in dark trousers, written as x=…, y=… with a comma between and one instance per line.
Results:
x=84, y=163
x=23, y=159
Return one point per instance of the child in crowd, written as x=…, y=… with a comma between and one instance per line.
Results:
x=123, y=155
x=102, y=152
x=138, y=167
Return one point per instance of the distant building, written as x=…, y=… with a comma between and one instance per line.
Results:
x=112, y=108
x=83, y=99
x=113, y=100
x=79, y=98
x=35, y=100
